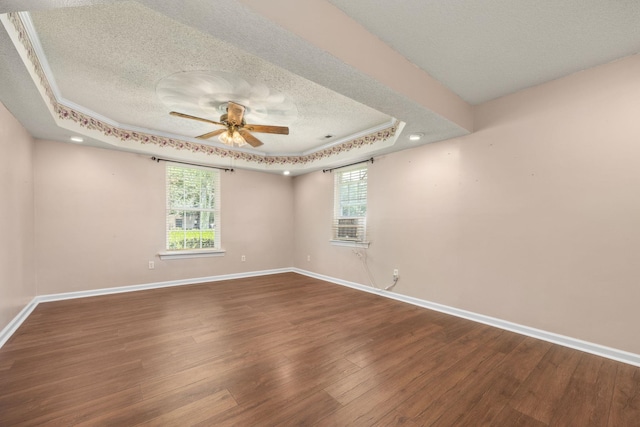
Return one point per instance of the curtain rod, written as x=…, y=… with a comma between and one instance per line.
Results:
x=158, y=159
x=350, y=164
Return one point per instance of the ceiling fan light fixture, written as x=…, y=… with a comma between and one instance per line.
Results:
x=232, y=139
x=237, y=132
x=238, y=139
x=225, y=138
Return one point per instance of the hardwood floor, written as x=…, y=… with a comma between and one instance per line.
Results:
x=291, y=350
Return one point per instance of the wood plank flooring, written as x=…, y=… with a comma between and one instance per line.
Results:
x=286, y=350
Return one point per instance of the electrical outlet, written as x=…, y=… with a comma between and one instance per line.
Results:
x=243, y=258
x=308, y=257
x=395, y=272
x=152, y=265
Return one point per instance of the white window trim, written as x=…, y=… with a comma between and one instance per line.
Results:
x=191, y=253
x=350, y=243
x=167, y=254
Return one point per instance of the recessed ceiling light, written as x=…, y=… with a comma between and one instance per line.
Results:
x=286, y=173
x=76, y=139
x=416, y=136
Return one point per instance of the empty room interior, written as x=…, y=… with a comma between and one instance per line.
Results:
x=320, y=212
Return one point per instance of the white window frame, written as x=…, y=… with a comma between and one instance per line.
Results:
x=344, y=226
x=168, y=253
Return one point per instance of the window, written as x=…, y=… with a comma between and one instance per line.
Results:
x=193, y=208
x=350, y=205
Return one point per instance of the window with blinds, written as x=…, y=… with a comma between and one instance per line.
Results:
x=350, y=204
x=193, y=208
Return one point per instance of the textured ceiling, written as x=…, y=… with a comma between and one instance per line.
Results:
x=350, y=67
x=117, y=75
x=485, y=49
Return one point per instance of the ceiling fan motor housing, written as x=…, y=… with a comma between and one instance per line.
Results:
x=225, y=119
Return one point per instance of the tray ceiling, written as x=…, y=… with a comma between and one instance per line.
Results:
x=117, y=76
x=354, y=80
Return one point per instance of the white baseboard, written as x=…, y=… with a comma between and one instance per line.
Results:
x=588, y=347
x=13, y=326
x=156, y=285
x=10, y=329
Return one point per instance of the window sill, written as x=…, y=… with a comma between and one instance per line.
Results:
x=349, y=243
x=195, y=253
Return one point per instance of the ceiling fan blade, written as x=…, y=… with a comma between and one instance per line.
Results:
x=282, y=130
x=187, y=116
x=235, y=113
x=252, y=140
x=211, y=134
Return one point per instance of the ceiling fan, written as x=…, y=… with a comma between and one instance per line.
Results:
x=236, y=131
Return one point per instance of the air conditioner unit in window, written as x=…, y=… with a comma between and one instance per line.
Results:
x=349, y=229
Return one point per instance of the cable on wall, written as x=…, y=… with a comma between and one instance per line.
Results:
x=158, y=159
x=363, y=257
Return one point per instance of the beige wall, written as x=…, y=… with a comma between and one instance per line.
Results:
x=17, y=276
x=533, y=219
x=100, y=217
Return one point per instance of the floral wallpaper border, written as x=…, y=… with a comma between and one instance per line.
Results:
x=91, y=123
